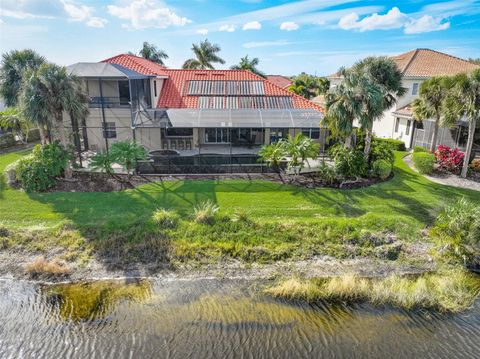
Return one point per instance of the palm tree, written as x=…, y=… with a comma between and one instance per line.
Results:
x=12, y=69
x=343, y=106
x=382, y=85
x=205, y=54
x=429, y=104
x=126, y=154
x=249, y=65
x=309, y=86
x=463, y=100
x=150, y=52
x=13, y=118
x=273, y=154
x=54, y=91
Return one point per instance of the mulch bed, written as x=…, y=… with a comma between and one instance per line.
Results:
x=100, y=182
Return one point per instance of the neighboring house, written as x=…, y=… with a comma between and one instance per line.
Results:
x=190, y=111
x=280, y=81
x=398, y=122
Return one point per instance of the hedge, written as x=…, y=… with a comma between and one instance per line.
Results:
x=7, y=140
x=424, y=162
x=419, y=149
x=397, y=145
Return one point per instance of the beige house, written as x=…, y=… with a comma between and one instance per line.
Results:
x=398, y=122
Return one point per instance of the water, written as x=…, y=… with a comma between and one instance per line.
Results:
x=216, y=319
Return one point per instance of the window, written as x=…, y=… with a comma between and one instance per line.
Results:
x=277, y=134
x=415, y=89
x=179, y=132
x=397, y=123
x=124, y=92
x=217, y=135
x=407, y=131
x=313, y=133
x=110, y=130
x=155, y=88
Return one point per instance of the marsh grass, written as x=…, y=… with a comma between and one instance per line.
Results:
x=449, y=291
x=165, y=218
x=40, y=267
x=205, y=212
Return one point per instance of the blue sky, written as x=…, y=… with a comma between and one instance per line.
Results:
x=315, y=36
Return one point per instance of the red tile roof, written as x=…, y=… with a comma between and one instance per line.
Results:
x=405, y=111
x=138, y=64
x=279, y=80
x=173, y=90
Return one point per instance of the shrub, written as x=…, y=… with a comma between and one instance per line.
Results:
x=165, y=218
x=382, y=150
x=102, y=161
x=39, y=170
x=126, y=154
x=419, y=149
x=424, y=162
x=205, y=212
x=241, y=216
x=7, y=140
x=382, y=169
x=475, y=165
x=457, y=232
x=348, y=163
x=33, y=135
x=449, y=159
x=327, y=174
x=397, y=145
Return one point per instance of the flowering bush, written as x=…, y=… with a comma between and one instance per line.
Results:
x=449, y=159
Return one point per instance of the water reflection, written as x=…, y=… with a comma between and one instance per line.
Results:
x=216, y=319
x=94, y=300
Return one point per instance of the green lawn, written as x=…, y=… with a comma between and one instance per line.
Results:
x=408, y=195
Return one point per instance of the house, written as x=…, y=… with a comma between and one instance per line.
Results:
x=190, y=111
x=280, y=81
x=416, y=66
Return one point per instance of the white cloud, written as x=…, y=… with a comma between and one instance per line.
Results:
x=426, y=23
x=21, y=15
x=202, y=31
x=252, y=25
x=82, y=13
x=96, y=22
x=147, y=13
x=255, y=44
x=393, y=19
x=227, y=28
x=289, y=26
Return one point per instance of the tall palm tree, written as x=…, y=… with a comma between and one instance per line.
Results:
x=205, y=54
x=343, y=106
x=463, y=100
x=150, y=52
x=429, y=104
x=249, y=65
x=12, y=69
x=50, y=92
x=382, y=85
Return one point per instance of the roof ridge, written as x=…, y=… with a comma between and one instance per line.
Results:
x=404, y=70
x=445, y=54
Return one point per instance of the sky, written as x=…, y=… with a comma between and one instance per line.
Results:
x=288, y=37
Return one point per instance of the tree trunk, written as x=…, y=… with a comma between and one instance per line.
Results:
x=433, y=145
x=468, y=149
x=43, y=138
x=368, y=143
x=63, y=140
x=348, y=141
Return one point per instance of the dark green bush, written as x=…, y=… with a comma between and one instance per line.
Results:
x=7, y=140
x=396, y=144
x=39, y=170
x=348, y=163
x=382, y=150
x=419, y=149
x=382, y=169
x=424, y=162
x=327, y=174
x=33, y=135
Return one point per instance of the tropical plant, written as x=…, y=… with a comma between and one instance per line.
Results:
x=424, y=162
x=152, y=53
x=205, y=54
x=299, y=149
x=249, y=65
x=55, y=91
x=273, y=154
x=382, y=169
x=457, y=232
x=429, y=104
x=127, y=154
x=463, y=100
x=309, y=86
x=327, y=174
x=205, y=212
x=381, y=85
x=449, y=159
x=102, y=161
x=12, y=118
x=12, y=70
x=382, y=151
x=348, y=162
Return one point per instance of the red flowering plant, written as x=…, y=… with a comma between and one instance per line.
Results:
x=449, y=159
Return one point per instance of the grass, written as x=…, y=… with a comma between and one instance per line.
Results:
x=284, y=221
x=451, y=291
x=40, y=267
